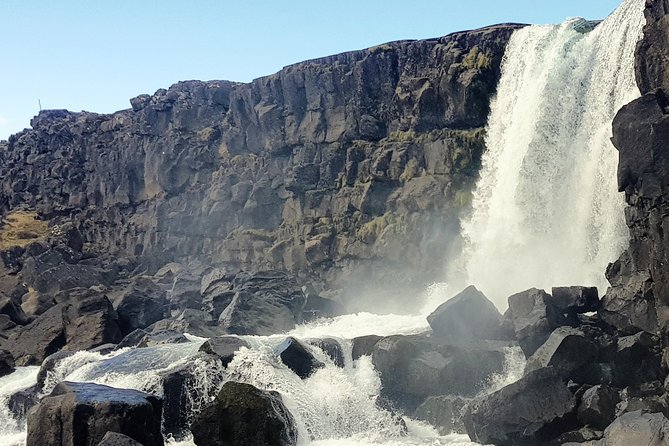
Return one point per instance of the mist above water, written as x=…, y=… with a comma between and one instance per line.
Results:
x=546, y=210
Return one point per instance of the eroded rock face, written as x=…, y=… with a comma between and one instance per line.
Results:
x=352, y=168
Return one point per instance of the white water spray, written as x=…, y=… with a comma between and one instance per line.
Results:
x=546, y=211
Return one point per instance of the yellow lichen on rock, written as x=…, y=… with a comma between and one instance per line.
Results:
x=20, y=228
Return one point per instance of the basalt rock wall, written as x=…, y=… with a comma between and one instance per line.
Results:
x=345, y=170
x=639, y=297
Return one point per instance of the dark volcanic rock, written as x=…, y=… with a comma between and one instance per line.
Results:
x=89, y=320
x=195, y=322
x=245, y=415
x=297, y=357
x=22, y=401
x=364, y=345
x=598, y=406
x=116, y=439
x=14, y=311
x=413, y=368
x=468, y=315
x=526, y=412
x=567, y=350
x=534, y=318
x=575, y=299
x=141, y=305
x=265, y=303
x=6, y=363
x=224, y=347
x=444, y=412
x=80, y=414
x=44, y=336
x=352, y=168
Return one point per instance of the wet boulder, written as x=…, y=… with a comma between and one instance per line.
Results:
x=444, y=412
x=89, y=319
x=224, y=347
x=567, y=350
x=364, y=345
x=331, y=347
x=49, y=364
x=534, y=318
x=22, y=401
x=527, y=412
x=320, y=307
x=142, y=304
x=598, y=406
x=116, y=439
x=264, y=303
x=80, y=414
x=141, y=338
x=244, y=415
x=468, y=315
x=6, y=363
x=415, y=367
x=297, y=357
x=575, y=299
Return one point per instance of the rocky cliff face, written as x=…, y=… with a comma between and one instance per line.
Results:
x=639, y=297
x=348, y=169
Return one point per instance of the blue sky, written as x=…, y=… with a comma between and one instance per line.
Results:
x=94, y=55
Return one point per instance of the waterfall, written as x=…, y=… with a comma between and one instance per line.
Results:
x=546, y=210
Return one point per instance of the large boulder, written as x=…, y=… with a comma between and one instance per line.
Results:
x=298, y=358
x=244, y=415
x=567, y=350
x=225, y=347
x=80, y=414
x=527, y=412
x=89, y=320
x=534, y=318
x=29, y=345
x=142, y=304
x=9, y=307
x=468, y=315
x=415, y=367
x=265, y=303
x=185, y=292
x=635, y=359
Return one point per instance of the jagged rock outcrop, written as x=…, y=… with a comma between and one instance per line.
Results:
x=639, y=298
x=350, y=169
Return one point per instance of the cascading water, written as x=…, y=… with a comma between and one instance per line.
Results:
x=546, y=211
